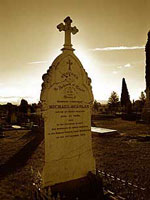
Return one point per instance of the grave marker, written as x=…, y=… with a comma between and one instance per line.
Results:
x=146, y=109
x=67, y=98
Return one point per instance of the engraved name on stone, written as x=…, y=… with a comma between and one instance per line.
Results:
x=73, y=125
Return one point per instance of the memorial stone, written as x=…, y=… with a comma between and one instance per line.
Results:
x=67, y=99
x=146, y=109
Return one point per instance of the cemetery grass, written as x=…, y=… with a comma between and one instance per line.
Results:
x=18, y=185
x=125, y=155
x=13, y=141
x=121, y=155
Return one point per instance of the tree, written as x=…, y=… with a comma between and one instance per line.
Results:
x=125, y=98
x=96, y=105
x=113, y=101
x=142, y=98
x=23, y=106
x=33, y=107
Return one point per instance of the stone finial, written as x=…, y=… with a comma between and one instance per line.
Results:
x=68, y=30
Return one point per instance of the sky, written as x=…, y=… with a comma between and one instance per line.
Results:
x=110, y=44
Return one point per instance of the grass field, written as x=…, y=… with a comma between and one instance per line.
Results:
x=122, y=155
x=126, y=155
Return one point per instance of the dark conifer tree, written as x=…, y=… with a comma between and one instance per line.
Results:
x=125, y=98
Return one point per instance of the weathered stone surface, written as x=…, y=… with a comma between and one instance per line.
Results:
x=146, y=110
x=66, y=98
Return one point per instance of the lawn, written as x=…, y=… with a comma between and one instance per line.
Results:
x=124, y=155
x=121, y=155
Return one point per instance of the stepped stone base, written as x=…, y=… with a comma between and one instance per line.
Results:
x=89, y=188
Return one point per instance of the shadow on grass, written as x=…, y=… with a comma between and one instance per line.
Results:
x=21, y=157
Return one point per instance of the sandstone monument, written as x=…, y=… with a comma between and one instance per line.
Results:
x=67, y=98
x=146, y=110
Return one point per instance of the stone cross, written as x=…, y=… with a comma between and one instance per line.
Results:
x=69, y=63
x=68, y=30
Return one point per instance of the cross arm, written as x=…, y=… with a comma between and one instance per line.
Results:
x=74, y=30
x=61, y=27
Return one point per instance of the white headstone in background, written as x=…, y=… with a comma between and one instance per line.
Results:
x=66, y=98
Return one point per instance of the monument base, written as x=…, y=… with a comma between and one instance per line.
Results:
x=89, y=188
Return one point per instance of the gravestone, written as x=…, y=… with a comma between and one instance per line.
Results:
x=146, y=109
x=67, y=99
x=103, y=131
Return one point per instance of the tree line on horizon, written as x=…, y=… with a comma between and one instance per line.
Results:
x=10, y=113
x=125, y=102
x=113, y=102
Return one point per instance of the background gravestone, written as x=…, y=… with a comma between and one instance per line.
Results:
x=67, y=98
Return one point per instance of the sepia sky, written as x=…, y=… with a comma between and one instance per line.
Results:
x=110, y=44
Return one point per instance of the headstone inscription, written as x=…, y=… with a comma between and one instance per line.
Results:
x=67, y=98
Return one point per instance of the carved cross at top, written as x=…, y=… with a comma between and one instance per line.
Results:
x=69, y=63
x=68, y=30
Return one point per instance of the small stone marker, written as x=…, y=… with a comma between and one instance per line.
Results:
x=103, y=131
x=66, y=98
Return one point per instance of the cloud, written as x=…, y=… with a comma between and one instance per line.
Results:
x=121, y=67
x=13, y=97
x=37, y=62
x=128, y=65
x=118, y=48
x=17, y=99
x=115, y=72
